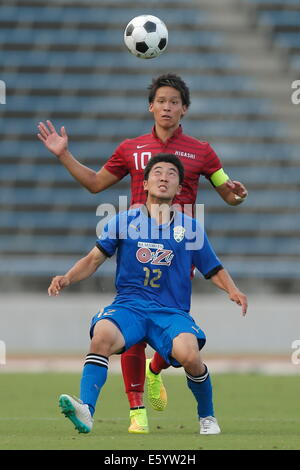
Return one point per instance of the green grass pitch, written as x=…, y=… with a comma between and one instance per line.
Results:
x=254, y=412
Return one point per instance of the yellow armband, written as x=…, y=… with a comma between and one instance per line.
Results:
x=218, y=177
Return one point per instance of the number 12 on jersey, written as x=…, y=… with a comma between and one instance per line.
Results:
x=151, y=276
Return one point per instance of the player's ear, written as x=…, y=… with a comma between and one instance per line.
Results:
x=145, y=183
x=178, y=190
x=184, y=110
x=151, y=107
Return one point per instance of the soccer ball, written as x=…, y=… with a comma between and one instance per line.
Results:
x=146, y=36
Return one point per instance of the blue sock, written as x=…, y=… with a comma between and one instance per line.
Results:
x=93, y=378
x=202, y=390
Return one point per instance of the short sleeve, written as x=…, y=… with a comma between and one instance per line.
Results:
x=212, y=162
x=204, y=256
x=117, y=164
x=109, y=239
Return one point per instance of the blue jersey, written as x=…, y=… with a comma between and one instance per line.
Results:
x=154, y=261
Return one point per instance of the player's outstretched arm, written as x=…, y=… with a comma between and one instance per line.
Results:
x=223, y=280
x=233, y=192
x=57, y=143
x=84, y=268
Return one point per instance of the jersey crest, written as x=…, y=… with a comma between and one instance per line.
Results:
x=179, y=233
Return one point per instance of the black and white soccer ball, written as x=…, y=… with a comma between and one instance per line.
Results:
x=146, y=36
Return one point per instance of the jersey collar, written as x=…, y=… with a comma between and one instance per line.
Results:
x=177, y=133
x=146, y=213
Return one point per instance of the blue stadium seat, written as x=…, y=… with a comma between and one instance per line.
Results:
x=131, y=105
x=73, y=197
x=258, y=199
x=268, y=152
x=79, y=197
x=89, y=221
x=79, y=244
x=99, y=152
x=48, y=266
x=110, y=82
x=28, y=150
x=99, y=16
x=69, y=59
x=102, y=37
x=267, y=3
x=134, y=127
x=251, y=222
x=295, y=62
x=280, y=18
x=49, y=220
x=263, y=269
x=275, y=175
x=288, y=39
x=283, y=19
x=58, y=174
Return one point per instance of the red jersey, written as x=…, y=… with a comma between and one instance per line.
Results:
x=132, y=156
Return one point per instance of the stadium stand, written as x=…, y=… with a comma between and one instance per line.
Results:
x=65, y=61
x=282, y=20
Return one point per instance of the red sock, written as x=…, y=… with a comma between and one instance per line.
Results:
x=133, y=369
x=157, y=364
x=135, y=399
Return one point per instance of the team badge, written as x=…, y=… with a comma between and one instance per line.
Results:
x=179, y=232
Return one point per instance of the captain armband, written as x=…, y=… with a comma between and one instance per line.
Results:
x=218, y=178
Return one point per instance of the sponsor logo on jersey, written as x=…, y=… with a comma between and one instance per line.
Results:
x=185, y=154
x=159, y=257
x=156, y=246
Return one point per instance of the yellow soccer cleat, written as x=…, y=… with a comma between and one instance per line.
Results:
x=157, y=394
x=138, y=421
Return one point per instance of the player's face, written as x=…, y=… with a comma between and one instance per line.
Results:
x=167, y=107
x=163, y=181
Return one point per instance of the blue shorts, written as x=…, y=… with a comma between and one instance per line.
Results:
x=147, y=321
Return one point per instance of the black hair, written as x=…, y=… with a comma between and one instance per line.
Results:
x=165, y=157
x=172, y=80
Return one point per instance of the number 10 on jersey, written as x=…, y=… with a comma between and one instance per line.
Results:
x=140, y=163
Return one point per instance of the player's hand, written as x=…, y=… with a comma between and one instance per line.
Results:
x=240, y=299
x=237, y=188
x=54, y=142
x=57, y=284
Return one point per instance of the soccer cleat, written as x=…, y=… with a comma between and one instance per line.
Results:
x=157, y=394
x=138, y=421
x=77, y=412
x=209, y=425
